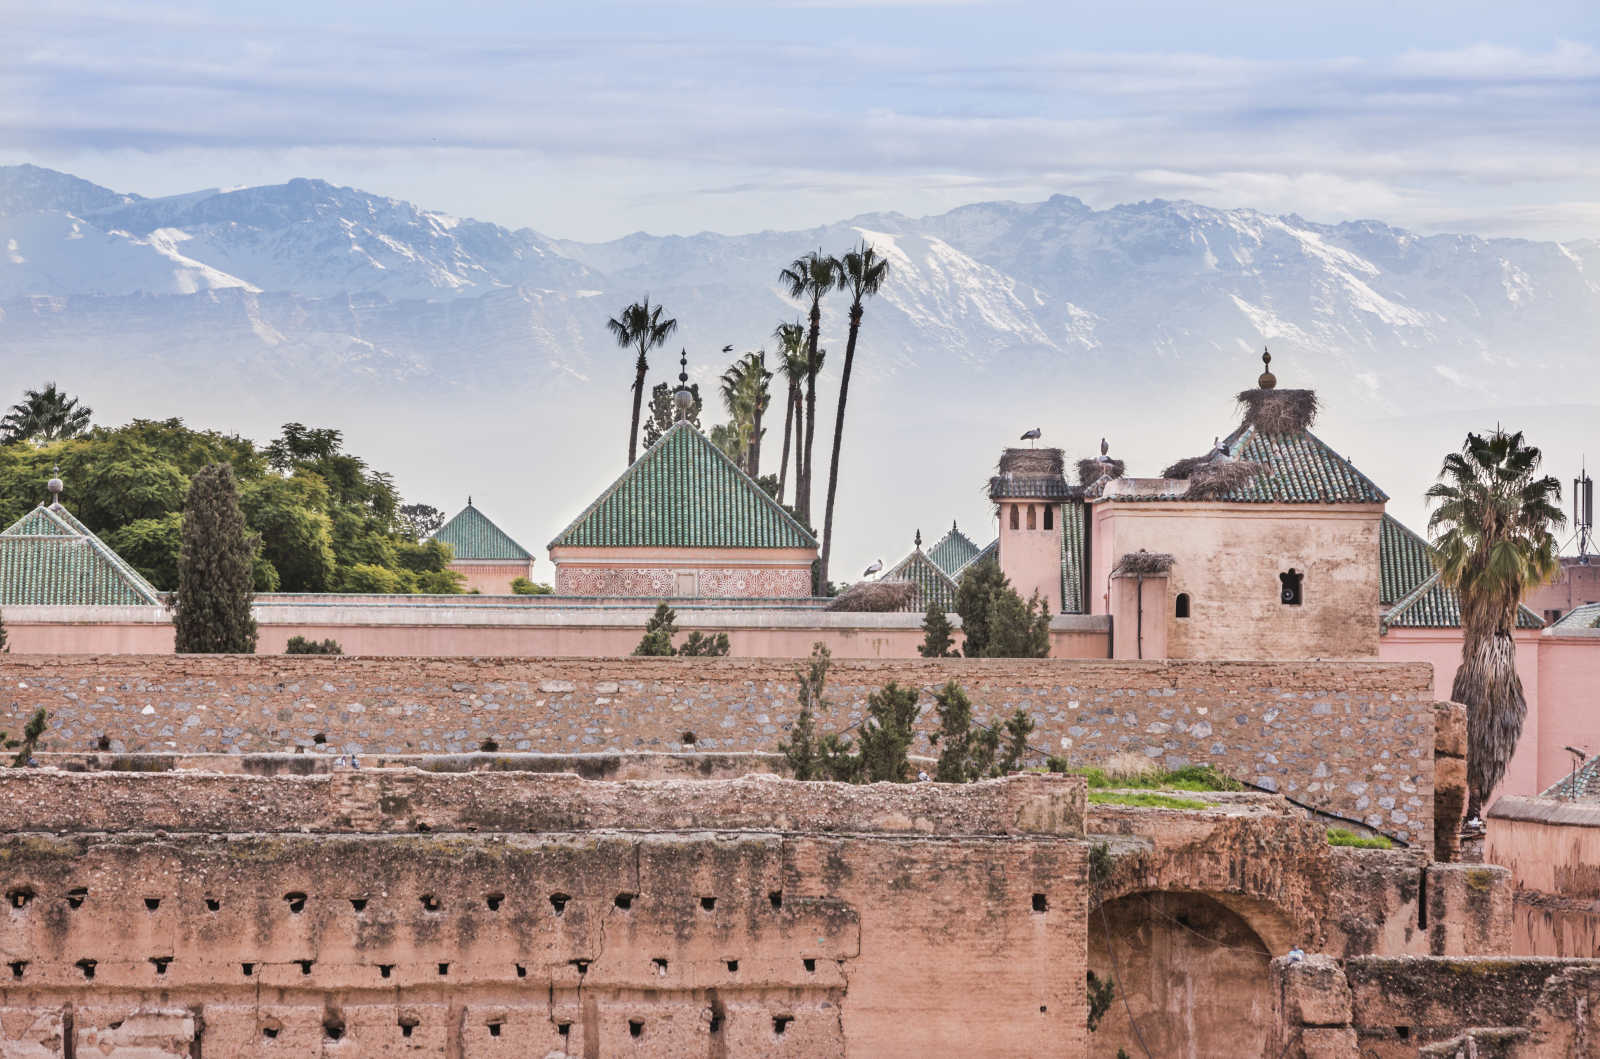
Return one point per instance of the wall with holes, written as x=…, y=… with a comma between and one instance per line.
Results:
x=1356, y=738
x=739, y=930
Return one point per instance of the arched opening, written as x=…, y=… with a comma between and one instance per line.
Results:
x=1014, y=517
x=1192, y=973
x=1290, y=587
x=1033, y=517
x=1181, y=608
x=1049, y=517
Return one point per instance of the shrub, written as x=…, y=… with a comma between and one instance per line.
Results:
x=1339, y=836
x=886, y=734
x=662, y=626
x=1145, y=800
x=521, y=586
x=29, y=741
x=937, y=638
x=299, y=645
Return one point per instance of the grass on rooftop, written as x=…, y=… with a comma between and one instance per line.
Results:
x=1145, y=800
x=1339, y=836
x=1188, y=778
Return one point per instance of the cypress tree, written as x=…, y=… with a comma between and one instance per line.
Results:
x=658, y=632
x=216, y=562
x=937, y=640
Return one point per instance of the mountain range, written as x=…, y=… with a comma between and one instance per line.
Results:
x=469, y=357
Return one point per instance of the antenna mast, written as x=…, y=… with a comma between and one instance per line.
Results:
x=1583, y=512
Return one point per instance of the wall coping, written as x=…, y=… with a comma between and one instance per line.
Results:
x=1546, y=811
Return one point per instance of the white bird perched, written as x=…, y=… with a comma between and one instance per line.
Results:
x=1033, y=435
x=877, y=564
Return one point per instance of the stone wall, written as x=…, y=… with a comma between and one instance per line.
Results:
x=1354, y=738
x=1553, y=850
x=715, y=932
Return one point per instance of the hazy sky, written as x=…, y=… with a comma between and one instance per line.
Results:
x=592, y=119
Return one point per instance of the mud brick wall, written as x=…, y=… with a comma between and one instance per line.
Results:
x=712, y=938
x=1355, y=738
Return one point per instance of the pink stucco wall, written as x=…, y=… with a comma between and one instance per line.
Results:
x=1569, y=702
x=492, y=579
x=1141, y=613
x=664, y=573
x=1031, y=558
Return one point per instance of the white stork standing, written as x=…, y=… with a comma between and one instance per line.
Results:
x=1033, y=435
x=877, y=564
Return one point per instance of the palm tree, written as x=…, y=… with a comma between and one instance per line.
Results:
x=641, y=325
x=746, y=394
x=792, y=361
x=861, y=272
x=45, y=415
x=810, y=276
x=1493, y=529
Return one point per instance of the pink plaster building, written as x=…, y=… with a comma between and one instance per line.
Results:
x=684, y=521
x=483, y=553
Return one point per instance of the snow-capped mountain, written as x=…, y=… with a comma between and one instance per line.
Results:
x=1009, y=311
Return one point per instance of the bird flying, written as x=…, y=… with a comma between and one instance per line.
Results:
x=877, y=564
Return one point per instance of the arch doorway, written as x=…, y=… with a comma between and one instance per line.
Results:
x=1192, y=972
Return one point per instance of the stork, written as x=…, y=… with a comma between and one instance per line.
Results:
x=877, y=564
x=1032, y=435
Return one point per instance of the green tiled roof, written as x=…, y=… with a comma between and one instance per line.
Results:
x=683, y=492
x=991, y=552
x=933, y=584
x=471, y=535
x=1301, y=469
x=1072, y=573
x=953, y=551
x=1583, y=616
x=1409, y=587
x=47, y=557
x=1582, y=784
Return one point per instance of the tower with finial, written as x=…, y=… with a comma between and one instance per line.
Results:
x=1267, y=380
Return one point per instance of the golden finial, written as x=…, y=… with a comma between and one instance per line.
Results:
x=1267, y=380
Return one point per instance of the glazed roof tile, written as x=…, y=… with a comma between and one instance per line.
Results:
x=684, y=492
x=933, y=584
x=48, y=557
x=1300, y=469
x=953, y=551
x=1582, y=785
x=1072, y=549
x=472, y=535
x=1583, y=616
x=1410, y=589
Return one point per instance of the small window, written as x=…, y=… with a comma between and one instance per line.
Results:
x=1014, y=521
x=1049, y=517
x=1290, y=594
x=1182, y=608
x=1033, y=517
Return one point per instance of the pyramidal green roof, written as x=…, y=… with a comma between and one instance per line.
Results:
x=48, y=557
x=1410, y=591
x=684, y=492
x=471, y=535
x=935, y=585
x=1300, y=469
x=953, y=551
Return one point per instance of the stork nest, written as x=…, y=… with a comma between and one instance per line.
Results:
x=1184, y=468
x=1279, y=411
x=1217, y=477
x=1032, y=463
x=1091, y=471
x=1145, y=563
x=877, y=597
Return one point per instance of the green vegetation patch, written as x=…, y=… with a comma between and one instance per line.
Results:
x=1338, y=836
x=1188, y=778
x=1145, y=800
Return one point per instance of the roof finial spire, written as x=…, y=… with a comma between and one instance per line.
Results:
x=469, y=499
x=55, y=485
x=1267, y=380
x=682, y=398
x=918, y=540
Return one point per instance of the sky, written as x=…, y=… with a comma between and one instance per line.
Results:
x=591, y=120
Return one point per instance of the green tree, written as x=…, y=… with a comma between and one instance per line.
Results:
x=1493, y=528
x=44, y=415
x=211, y=608
x=291, y=514
x=954, y=737
x=25, y=747
x=658, y=632
x=372, y=579
x=299, y=645
x=974, y=598
x=887, y=733
x=151, y=546
x=642, y=326
x=792, y=364
x=698, y=644
x=808, y=278
x=860, y=273
x=664, y=411
x=521, y=586
x=1017, y=729
x=1017, y=629
x=420, y=520
x=746, y=395
x=938, y=639
x=801, y=750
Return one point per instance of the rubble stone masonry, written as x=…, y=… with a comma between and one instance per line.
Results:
x=1354, y=738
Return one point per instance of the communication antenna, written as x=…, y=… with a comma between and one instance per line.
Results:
x=1583, y=512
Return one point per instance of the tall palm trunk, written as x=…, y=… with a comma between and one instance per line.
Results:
x=802, y=501
x=1488, y=684
x=838, y=437
x=638, y=399
x=788, y=429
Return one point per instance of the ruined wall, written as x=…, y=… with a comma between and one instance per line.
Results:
x=1355, y=738
x=1552, y=848
x=706, y=936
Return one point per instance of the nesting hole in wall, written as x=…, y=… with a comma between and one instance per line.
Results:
x=776, y=897
x=408, y=1023
x=152, y=903
x=160, y=963
x=248, y=969
x=493, y=901
x=522, y=971
x=296, y=901
x=421, y=827
x=86, y=966
x=358, y=903
x=810, y=964
x=19, y=897
x=708, y=903
x=319, y=738
x=270, y=1030
x=385, y=970
x=1041, y=903
x=305, y=965
x=333, y=1026
x=733, y=966
x=581, y=965
x=624, y=901
x=102, y=742
x=212, y=904
x=558, y=901
x=660, y=964
x=444, y=969
x=780, y=1023
x=495, y=1026
x=1403, y=1032
x=687, y=738
x=564, y=1028
x=76, y=896
x=716, y=1021
x=636, y=1027
x=430, y=903
x=17, y=967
